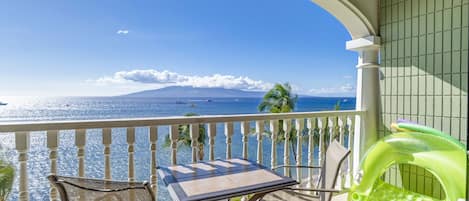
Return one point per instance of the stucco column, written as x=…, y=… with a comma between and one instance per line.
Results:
x=368, y=95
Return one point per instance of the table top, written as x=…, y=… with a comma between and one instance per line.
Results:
x=220, y=179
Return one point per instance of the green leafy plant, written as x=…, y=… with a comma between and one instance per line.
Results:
x=184, y=138
x=7, y=176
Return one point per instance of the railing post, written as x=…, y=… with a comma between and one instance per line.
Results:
x=260, y=132
x=367, y=95
x=52, y=144
x=194, y=134
x=154, y=176
x=311, y=124
x=174, y=136
x=300, y=123
x=228, y=134
x=212, y=132
x=245, y=133
x=130, y=150
x=22, y=146
x=273, y=153
x=286, y=151
x=80, y=142
x=107, y=140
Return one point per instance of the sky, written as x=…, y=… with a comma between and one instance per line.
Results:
x=107, y=47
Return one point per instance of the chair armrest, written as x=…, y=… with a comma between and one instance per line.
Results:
x=315, y=190
x=296, y=166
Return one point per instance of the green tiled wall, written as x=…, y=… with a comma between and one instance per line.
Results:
x=424, y=58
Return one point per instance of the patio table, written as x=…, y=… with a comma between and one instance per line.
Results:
x=220, y=179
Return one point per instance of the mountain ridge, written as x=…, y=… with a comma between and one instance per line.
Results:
x=195, y=92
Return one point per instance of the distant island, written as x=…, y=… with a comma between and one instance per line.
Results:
x=196, y=92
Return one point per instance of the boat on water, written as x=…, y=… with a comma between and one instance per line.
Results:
x=3, y=103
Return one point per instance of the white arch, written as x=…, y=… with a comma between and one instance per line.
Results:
x=359, y=17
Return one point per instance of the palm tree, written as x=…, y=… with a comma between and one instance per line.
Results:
x=184, y=138
x=280, y=99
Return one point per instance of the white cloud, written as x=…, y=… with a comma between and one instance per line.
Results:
x=122, y=31
x=346, y=89
x=168, y=78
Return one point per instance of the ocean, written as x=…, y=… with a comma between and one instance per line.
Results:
x=86, y=108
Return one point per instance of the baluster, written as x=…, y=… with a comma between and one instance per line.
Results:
x=107, y=140
x=245, y=133
x=80, y=142
x=194, y=134
x=341, y=123
x=154, y=175
x=311, y=124
x=52, y=144
x=332, y=124
x=260, y=132
x=274, y=130
x=22, y=146
x=173, y=136
x=286, y=153
x=130, y=150
x=351, y=144
x=212, y=132
x=228, y=134
x=322, y=150
x=300, y=123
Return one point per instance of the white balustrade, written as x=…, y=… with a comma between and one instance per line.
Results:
x=130, y=150
x=259, y=132
x=80, y=142
x=322, y=149
x=153, y=138
x=299, y=124
x=22, y=146
x=212, y=132
x=351, y=130
x=274, y=133
x=311, y=125
x=173, y=136
x=286, y=150
x=228, y=133
x=194, y=134
x=245, y=133
x=341, y=124
x=328, y=125
x=52, y=144
x=107, y=140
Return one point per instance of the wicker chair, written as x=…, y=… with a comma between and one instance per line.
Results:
x=77, y=189
x=335, y=156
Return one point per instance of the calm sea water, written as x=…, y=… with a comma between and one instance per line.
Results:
x=81, y=108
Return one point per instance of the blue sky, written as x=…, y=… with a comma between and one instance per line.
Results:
x=89, y=48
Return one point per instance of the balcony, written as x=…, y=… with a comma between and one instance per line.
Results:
x=129, y=149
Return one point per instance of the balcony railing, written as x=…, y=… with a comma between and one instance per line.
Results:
x=323, y=126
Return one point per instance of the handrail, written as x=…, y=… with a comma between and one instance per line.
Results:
x=155, y=121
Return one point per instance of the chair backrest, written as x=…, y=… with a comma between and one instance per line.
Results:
x=74, y=188
x=335, y=156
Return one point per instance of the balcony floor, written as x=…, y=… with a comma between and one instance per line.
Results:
x=286, y=196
